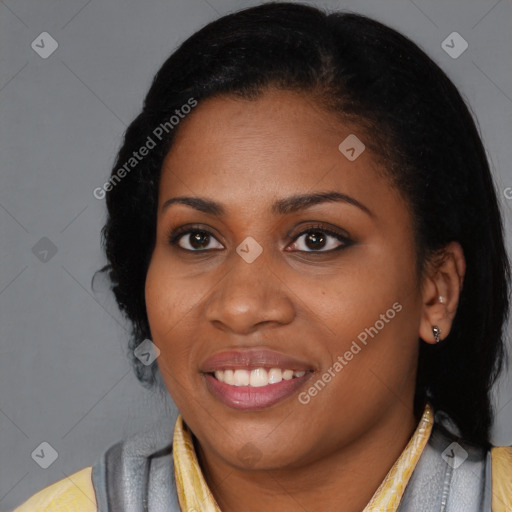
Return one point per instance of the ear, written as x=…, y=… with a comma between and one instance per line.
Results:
x=441, y=289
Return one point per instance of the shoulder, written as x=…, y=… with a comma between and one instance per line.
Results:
x=73, y=493
x=501, y=457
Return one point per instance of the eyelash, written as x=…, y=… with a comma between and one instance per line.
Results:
x=178, y=233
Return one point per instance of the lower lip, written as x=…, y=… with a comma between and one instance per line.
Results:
x=251, y=398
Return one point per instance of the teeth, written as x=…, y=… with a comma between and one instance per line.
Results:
x=258, y=377
x=229, y=377
x=288, y=374
x=241, y=378
x=275, y=375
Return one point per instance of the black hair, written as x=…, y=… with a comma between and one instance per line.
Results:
x=415, y=120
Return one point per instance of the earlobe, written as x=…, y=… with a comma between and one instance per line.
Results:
x=435, y=324
x=441, y=292
x=437, y=333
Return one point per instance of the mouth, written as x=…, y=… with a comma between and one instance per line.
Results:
x=256, y=389
x=254, y=379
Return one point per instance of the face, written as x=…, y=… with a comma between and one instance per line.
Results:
x=309, y=307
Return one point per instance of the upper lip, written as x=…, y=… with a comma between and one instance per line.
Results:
x=249, y=359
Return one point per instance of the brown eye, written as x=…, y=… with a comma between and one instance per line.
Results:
x=194, y=240
x=319, y=239
x=315, y=240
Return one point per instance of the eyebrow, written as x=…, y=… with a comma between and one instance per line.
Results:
x=283, y=206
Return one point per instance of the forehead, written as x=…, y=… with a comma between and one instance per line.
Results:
x=281, y=143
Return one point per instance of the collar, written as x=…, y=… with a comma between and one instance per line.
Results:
x=194, y=494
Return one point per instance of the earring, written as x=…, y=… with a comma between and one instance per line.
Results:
x=441, y=299
x=437, y=333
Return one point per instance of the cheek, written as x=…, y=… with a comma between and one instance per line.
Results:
x=169, y=295
x=371, y=308
x=170, y=305
x=365, y=287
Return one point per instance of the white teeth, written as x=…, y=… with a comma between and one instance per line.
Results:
x=241, y=378
x=275, y=375
x=258, y=377
x=288, y=374
x=229, y=377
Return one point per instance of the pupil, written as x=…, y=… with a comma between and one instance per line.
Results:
x=199, y=240
x=317, y=240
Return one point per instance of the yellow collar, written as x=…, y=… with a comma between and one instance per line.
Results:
x=193, y=492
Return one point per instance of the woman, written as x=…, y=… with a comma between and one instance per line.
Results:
x=303, y=221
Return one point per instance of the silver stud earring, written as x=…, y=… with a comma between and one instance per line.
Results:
x=437, y=333
x=441, y=299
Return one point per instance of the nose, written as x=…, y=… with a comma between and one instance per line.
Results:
x=251, y=296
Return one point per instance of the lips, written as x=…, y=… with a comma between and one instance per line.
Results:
x=250, y=359
x=242, y=392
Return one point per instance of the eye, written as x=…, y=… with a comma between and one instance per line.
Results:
x=316, y=239
x=320, y=239
x=193, y=239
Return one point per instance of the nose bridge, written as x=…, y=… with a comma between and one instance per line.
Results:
x=251, y=293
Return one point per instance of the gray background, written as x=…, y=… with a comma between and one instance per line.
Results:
x=64, y=374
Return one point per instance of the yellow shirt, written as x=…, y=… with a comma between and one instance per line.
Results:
x=72, y=494
x=193, y=492
x=76, y=492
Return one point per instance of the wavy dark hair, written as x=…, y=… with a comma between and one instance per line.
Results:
x=415, y=121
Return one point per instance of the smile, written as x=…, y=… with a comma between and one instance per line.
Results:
x=256, y=389
x=257, y=377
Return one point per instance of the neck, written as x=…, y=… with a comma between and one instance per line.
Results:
x=344, y=481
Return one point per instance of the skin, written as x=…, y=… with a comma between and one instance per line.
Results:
x=332, y=453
